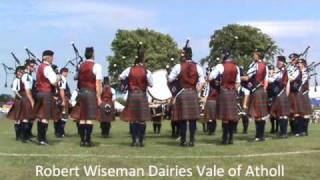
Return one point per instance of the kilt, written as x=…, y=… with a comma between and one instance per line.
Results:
x=258, y=104
x=227, y=105
x=186, y=106
x=137, y=108
x=296, y=100
x=46, y=107
x=210, y=110
x=280, y=106
x=307, y=104
x=14, y=112
x=86, y=107
x=103, y=116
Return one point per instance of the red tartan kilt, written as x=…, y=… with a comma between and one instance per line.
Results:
x=210, y=110
x=258, y=104
x=14, y=112
x=187, y=106
x=296, y=103
x=280, y=106
x=86, y=107
x=307, y=105
x=103, y=116
x=46, y=107
x=137, y=108
x=227, y=105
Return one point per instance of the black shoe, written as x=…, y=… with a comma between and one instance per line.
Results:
x=88, y=144
x=82, y=144
x=230, y=142
x=133, y=144
x=191, y=144
x=141, y=144
x=183, y=144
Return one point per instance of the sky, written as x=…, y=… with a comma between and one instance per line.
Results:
x=53, y=24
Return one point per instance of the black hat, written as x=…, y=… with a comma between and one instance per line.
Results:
x=187, y=50
x=47, y=53
x=281, y=58
x=106, y=80
x=270, y=67
x=226, y=54
x=303, y=61
x=140, y=53
x=89, y=52
x=19, y=68
x=293, y=56
x=30, y=61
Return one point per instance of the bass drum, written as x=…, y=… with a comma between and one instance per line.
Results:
x=160, y=90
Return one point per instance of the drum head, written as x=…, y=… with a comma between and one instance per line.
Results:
x=160, y=90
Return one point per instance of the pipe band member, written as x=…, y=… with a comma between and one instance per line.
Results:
x=280, y=108
x=45, y=107
x=89, y=98
x=186, y=106
x=257, y=77
x=137, y=110
x=227, y=99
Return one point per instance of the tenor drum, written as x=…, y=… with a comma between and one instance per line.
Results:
x=160, y=90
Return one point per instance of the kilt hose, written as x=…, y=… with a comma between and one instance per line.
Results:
x=210, y=110
x=227, y=105
x=46, y=107
x=297, y=105
x=186, y=106
x=103, y=116
x=258, y=104
x=280, y=106
x=307, y=104
x=86, y=107
x=137, y=108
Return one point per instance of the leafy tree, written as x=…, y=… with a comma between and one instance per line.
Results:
x=242, y=41
x=160, y=50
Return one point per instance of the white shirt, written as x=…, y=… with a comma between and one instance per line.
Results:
x=305, y=76
x=73, y=99
x=126, y=72
x=97, y=70
x=63, y=83
x=27, y=81
x=276, y=77
x=16, y=85
x=253, y=68
x=175, y=72
x=50, y=74
x=113, y=92
x=293, y=72
x=219, y=69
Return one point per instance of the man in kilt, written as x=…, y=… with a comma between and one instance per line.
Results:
x=186, y=106
x=303, y=128
x=64, y=95
x=14, y=112
x=45, y=107
x=257, y=77
x=90, y=87
x=296, y=99
x=280, y=88
x=107, y=111
x=210, y=110
x=270, y=91
x=229, y=75
x=137, y=110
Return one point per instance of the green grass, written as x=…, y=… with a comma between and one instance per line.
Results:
x=297, y=166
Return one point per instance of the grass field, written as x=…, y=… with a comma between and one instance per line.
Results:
x=300, y=156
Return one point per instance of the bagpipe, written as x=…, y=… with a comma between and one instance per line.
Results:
x=32, y=55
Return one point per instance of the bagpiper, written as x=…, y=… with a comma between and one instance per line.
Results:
x=270, y=91
x=186, y=104
x=137, y=110
x=14, y=112
x=304, y=89
x=107, y=110
x=90, y=87
x=45, y=107
x=280, y=87
x=257, y=77
x=296, y=99
x=229, y=76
